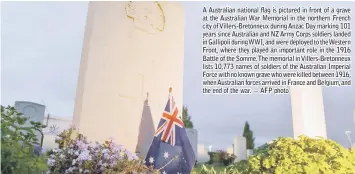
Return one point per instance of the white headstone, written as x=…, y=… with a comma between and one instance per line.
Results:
x=308, y=111
x=33, y=111
x=193, y=137
x=249, y=152
x=202, y=155
x=128, y=51
x=240, y=148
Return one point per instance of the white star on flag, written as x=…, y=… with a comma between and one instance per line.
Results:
x=151, y=160
x=166, y=155
x=164, y=172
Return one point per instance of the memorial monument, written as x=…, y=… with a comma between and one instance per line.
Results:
x=308, y=111
x=130, y=49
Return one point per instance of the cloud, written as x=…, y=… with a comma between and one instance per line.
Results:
x=41, y=52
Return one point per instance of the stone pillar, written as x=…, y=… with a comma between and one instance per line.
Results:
x=308, y=111
x=130, y=49
x=240, y=148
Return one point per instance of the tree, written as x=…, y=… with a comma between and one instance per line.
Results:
x=186, y=118
x=248, y=134
x=18, y=144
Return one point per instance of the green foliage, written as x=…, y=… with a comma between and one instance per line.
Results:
x=293, y=156
x=221, y=156
x=205, y=170
x=240, y=167
x=186, y=118
x=227, y=158
x=211, y=170
x=248, y=134
x=303, y=155
x=18, y=143
x=215, y=157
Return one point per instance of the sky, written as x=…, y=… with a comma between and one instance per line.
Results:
x=40, y=56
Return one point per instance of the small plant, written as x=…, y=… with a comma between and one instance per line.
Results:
x=18, y=143
x=77, y=155
x=215, y=157
x=205, y=170
x=227, y=158
x=211, y=154
x=240, y=167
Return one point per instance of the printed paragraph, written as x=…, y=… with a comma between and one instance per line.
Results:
x=266, y=50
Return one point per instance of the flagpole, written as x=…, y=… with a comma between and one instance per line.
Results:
x=170, y=91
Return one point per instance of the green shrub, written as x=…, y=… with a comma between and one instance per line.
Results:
x=211, y=154
x=227, y=158
x=292, y=156
x=18, y=144
x=303, y=155
x=240, y=167
x=216, y=157
x=211, y=170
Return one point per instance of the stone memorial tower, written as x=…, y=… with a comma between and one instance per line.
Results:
x=308, y=111
x=130, y=49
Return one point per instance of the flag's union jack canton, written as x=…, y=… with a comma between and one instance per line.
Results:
x=170, y=121
x=171, y=151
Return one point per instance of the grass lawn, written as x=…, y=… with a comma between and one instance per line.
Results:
x=217, y=168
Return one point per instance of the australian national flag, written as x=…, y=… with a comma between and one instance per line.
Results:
x=171, y=151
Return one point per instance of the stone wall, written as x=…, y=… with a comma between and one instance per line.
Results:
x=130, y=49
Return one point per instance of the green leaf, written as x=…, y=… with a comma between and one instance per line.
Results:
x=17, y=146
